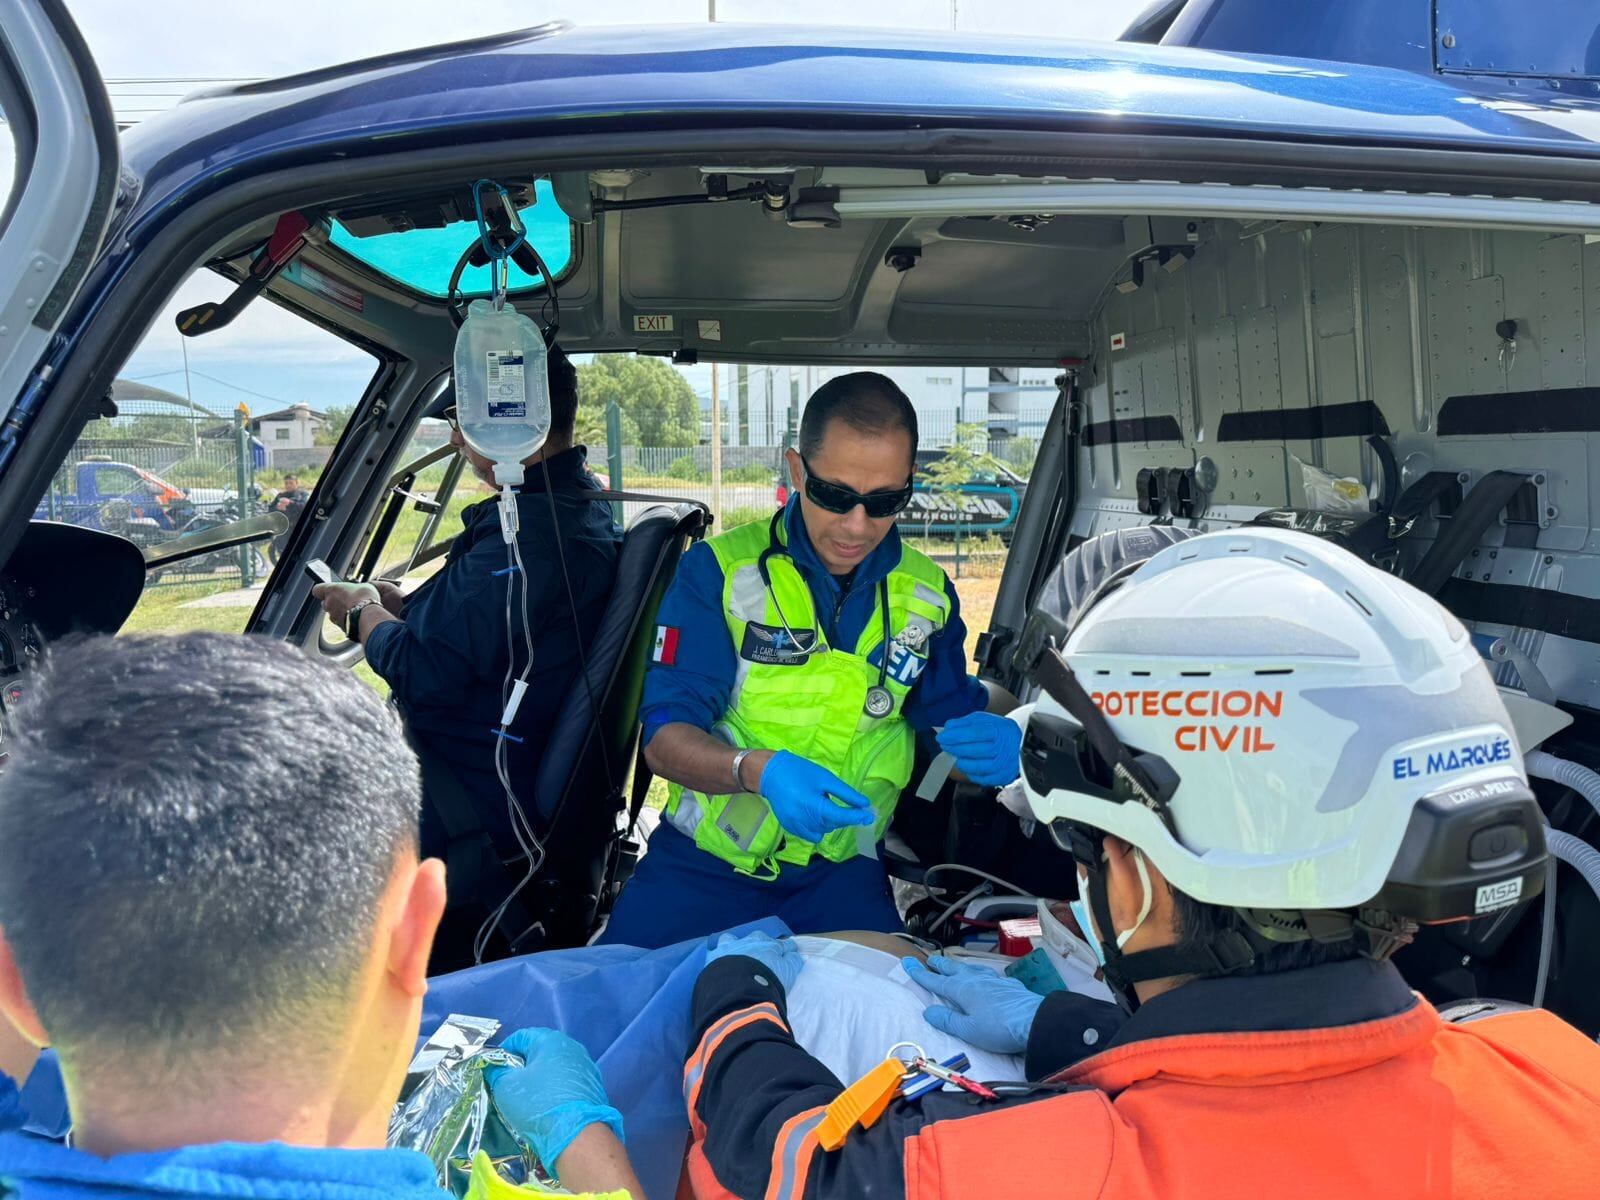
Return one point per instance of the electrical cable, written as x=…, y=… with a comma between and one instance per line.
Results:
x=975, y=873
x=1547, y=932
x=988, y=885
x=972, y=895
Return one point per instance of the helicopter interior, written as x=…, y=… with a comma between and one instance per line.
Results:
x=1408, y=374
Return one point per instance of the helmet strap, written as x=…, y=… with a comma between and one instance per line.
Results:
x=1228, y=952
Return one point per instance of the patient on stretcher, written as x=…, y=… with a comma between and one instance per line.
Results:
x=854, y=1001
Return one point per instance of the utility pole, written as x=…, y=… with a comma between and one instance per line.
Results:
x=194, y=420
x=716, y=449
x=716, y=404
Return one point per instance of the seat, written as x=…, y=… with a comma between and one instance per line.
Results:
x=578, y=795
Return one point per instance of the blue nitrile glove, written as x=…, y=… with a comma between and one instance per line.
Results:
x=987, y=747
x=778, y=955
x=554, y=1095
x=987, y=1009
x=811, y=801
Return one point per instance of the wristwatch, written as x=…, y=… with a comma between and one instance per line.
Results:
x=352, y=619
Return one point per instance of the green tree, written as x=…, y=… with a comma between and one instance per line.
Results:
x=684, y=468
x=658, y=406
x=338, y=417
x=946, y=475
x=590, y=428
x=1020, y=455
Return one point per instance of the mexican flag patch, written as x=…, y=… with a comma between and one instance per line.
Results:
x=666, y=651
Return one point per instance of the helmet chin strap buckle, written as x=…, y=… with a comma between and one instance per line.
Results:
x=1229, y=952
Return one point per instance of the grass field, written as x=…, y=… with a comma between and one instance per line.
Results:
x=170, y=607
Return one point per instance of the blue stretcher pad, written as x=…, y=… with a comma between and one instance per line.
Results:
x=629, y=1008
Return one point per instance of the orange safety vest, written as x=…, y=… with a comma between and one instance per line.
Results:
x=1408, y=1107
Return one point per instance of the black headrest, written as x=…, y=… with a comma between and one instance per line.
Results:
x=1087, y=573
x=616, y=657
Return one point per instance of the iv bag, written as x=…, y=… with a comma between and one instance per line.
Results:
x=502, y=382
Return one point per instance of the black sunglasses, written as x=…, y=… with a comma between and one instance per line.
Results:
x=836, y=498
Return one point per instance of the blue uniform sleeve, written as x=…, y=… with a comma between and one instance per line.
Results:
x=692, y=674
x=945, y=691
x=442, y=647
x=11, y=1112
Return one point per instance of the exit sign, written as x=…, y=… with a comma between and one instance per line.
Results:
x=652, y=324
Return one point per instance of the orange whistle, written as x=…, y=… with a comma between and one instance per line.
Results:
x=862, y=1103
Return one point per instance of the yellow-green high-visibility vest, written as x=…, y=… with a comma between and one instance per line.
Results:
x=794, y=692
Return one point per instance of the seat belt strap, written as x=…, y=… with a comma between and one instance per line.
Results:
x=1465, y=529
x=641, y=788
x=1520, y=607
x=1420, y=496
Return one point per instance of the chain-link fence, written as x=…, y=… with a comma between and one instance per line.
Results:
x=159, y=470
x=963, y=522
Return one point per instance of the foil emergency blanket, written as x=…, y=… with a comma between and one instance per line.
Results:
x=449, y=1113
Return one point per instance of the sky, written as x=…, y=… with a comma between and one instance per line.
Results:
x=269, y=358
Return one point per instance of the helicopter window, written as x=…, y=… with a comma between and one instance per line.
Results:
x=423, y=259
x=193, y=450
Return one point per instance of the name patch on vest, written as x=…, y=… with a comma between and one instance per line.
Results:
x=774, y=646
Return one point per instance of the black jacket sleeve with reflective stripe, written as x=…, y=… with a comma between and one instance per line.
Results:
x=755, y=1098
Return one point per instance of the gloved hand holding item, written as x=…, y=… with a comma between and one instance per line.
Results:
x=992, y=1011
x=987, y=747
x=811, y=801
x=778, y=955
x=554, y=1095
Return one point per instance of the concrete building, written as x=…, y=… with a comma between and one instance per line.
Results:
x=293, y=429
x=760, y=404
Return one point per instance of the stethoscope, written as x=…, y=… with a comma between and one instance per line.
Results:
x=880, y=701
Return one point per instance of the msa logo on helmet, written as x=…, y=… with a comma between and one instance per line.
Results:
x=1442, y=762
x=1498, y=895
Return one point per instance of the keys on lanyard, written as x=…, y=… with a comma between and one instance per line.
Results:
x=919, y=1064
x=909, y=1077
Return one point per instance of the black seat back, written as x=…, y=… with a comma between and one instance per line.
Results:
x=578, y=794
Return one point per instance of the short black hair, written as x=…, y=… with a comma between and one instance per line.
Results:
x=563, y=394
x=196, y=833
x=864, y=400
x=1199, y=925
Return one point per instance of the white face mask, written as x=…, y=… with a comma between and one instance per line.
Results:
x=1080, y=910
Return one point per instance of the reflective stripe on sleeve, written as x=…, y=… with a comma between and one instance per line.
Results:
x=694, y=1069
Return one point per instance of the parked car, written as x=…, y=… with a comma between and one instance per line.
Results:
x=116, y=492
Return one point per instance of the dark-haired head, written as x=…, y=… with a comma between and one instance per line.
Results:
x=208, y=856
x=858, y=432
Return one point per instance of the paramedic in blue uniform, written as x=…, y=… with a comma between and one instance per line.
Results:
x=443, y=650
x=796, y=660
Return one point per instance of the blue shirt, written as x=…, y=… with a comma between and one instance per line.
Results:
x=694, y=688
x=11, y=1110
x=32, y=1168
x=446, y=661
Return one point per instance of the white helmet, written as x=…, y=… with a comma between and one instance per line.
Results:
x=1279, y=727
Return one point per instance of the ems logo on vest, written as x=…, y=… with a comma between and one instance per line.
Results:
x=775, y=646
x=905, y=665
